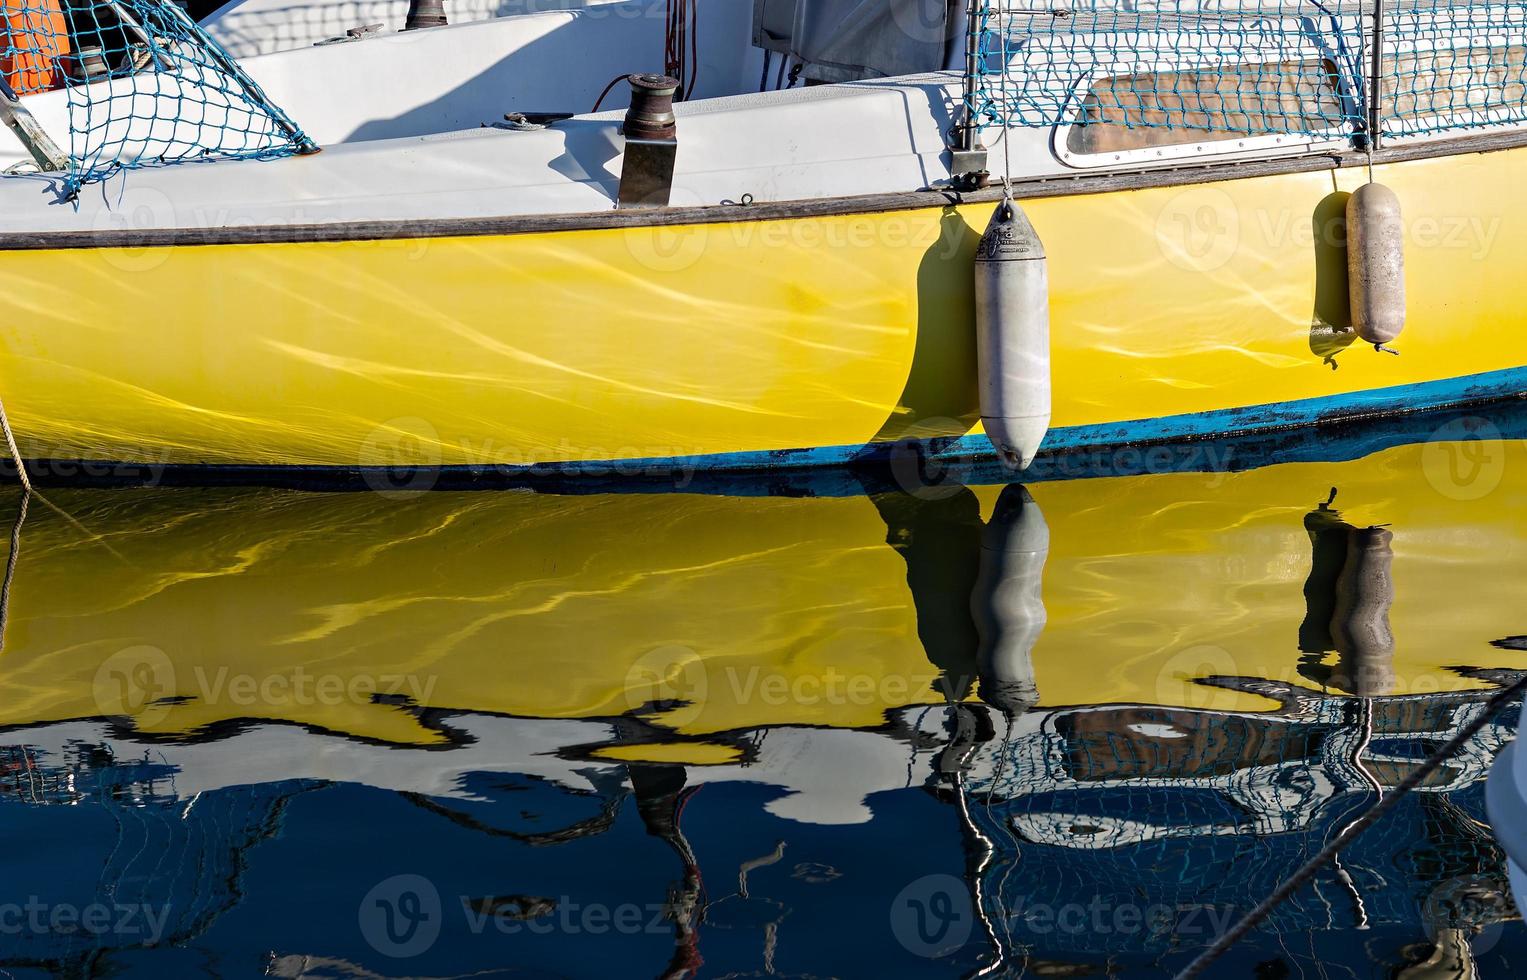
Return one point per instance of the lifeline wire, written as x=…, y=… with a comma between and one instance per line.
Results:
x=1417, y=776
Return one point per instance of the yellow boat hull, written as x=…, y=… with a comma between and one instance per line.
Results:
x=715, y=343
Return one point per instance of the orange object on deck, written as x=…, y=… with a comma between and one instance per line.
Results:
x=34, y=40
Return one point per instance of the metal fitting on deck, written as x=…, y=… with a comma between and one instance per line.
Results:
x=425, y=13
x=88, y=64
x=651, y=132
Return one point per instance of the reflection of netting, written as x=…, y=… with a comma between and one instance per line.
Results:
x=1174, y=814
x=1213, y=69
x=162, y=868
x=142, y=82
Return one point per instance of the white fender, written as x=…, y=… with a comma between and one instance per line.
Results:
x=1013, y=335
x=1007, y=602
x=1376, y=263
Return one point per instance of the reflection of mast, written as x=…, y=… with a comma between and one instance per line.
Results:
x=1007, y=602
x=660, y=798
x=1451, y=959
x=1007, y=607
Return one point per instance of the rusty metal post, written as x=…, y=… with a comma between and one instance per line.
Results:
x=1376, y=78
x=652, y=143
x=425, y=13
x=967, y=156
x=38, y=143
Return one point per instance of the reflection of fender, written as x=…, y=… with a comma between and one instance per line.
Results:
x=1347, y=598
x=35, y=40
x=1007, y=602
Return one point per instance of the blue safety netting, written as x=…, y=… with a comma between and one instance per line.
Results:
x=1456, y=65
x=1192, y=70
x=136, y=82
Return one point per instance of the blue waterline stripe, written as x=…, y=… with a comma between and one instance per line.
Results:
x=1418, y=397
x=968, y=459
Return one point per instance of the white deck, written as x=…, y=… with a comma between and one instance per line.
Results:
x=401, y=118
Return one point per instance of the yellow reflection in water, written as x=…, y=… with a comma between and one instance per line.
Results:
x=189, y=610
x=1153, y=581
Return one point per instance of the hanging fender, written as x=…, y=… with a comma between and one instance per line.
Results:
x=1013, y=335
x=1376, y=264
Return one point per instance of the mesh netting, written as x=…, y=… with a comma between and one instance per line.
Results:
x=1453, y=65
x=1135, y=76
x=142, y=83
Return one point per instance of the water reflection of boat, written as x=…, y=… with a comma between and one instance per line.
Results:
x=1080, y=806
x=1033, y=734
x=1193, y=816
x=1265, y=772
x=459, y=601
x=135, y=862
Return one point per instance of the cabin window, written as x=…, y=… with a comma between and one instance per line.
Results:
x=1145, y=111
x=1476, y=84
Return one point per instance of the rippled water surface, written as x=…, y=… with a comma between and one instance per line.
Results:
x=873, y=725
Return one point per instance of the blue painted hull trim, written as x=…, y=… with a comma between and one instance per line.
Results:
x=969, y=458
x=1425, y=396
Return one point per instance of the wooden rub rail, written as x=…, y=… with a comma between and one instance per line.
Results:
x=1058, y=186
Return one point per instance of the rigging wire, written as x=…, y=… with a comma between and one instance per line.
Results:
x=681, y=52
x=681, y=45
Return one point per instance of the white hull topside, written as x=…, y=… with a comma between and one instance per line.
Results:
x=401, y=121
x=404, y=120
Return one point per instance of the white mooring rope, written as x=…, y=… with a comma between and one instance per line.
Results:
x=10, y=442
